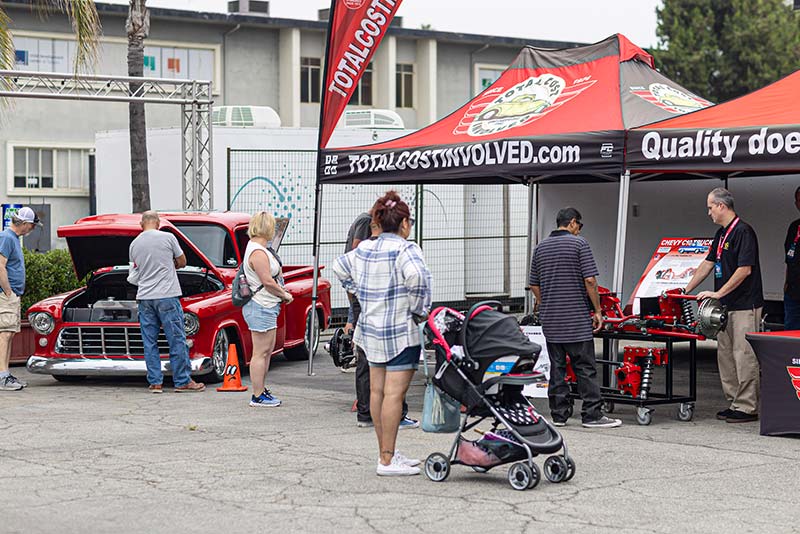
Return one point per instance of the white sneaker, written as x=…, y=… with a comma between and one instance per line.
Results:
x=396, y=469
x=401, y=458
x=603, y=422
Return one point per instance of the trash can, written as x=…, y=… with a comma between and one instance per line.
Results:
x=778, y=354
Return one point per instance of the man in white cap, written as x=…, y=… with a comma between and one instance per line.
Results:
x=12, y=283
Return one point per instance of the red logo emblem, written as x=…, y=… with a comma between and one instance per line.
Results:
x=794, y=372
x=353, y=4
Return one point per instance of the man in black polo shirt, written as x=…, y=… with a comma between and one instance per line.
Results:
x=733, y=259
x=563, y=279
x=791, y=288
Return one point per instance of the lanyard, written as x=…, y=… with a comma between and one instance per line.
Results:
x=724, y=239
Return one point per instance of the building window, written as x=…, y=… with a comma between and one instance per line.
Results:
x=41, y=170
x=310, y=76
x=405, y=85
x=362, y=96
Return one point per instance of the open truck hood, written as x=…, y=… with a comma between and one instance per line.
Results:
x=104, y=240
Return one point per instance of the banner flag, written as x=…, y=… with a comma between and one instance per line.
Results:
x=356, y=29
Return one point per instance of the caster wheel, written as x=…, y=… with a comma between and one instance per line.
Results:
x=570, y=468
x=608, y=406
x=685, y=411
x=437, y=467
x=571, y=409
x=522, y=477
x=479, y=469
x=644, y=416
x=555, y=469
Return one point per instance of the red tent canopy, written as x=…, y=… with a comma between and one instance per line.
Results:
x=758, y=133
x=551, y=114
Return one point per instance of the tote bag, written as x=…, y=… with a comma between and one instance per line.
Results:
x=440, y=412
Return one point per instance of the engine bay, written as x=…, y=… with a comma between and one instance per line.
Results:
x=109, y=297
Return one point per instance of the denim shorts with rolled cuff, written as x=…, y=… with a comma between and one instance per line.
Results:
x=408, y=360
x=260, y=318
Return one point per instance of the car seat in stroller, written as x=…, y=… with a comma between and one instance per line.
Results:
x=483, y=360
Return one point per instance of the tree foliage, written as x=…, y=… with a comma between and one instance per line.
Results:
x=46, y=274
x=722, y=49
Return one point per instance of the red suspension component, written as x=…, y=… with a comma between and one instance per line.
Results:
x=635, y=375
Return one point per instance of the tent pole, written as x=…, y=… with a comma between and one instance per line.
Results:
x=312, y=334
x=622, y=224
x=533, y=237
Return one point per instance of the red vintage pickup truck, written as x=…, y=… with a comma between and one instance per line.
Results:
x=95, y=331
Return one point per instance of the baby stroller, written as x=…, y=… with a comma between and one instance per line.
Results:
x=483, y=361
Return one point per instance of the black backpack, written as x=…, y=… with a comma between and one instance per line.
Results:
x=241, y=293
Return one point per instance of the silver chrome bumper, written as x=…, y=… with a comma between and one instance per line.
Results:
x=105, y=367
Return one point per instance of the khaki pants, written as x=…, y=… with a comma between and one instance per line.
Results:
x=738, y=366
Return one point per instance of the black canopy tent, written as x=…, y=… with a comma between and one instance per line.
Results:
x=553, y=116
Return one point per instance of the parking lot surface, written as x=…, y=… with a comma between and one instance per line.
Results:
x=107, y=456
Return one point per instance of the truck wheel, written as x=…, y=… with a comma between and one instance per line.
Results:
x=301, y=352
x=219, y=357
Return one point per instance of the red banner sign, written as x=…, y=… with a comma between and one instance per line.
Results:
x=356, y=29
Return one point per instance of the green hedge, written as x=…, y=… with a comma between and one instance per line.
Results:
x=47, y=274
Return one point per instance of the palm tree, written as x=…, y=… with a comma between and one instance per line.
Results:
x=85, y=23
x=138, y=27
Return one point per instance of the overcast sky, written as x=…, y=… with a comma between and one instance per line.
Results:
x=562, y=20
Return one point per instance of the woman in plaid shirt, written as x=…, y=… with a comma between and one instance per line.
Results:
x=389, y=278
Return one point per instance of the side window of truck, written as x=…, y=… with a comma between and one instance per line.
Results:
x=241, y=240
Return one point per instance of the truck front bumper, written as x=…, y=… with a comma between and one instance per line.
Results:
x=106, y=367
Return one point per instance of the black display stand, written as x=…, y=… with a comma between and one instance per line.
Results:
x=666, y=395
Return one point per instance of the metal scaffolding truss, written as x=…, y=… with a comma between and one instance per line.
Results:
x=193, y=96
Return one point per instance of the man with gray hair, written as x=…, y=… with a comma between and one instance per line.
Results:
x=156, y=255
x=733, y=258
x=12, y=282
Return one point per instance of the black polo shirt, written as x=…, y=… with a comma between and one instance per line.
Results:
x=559, y=266
x=793, y=264
x=739, y=250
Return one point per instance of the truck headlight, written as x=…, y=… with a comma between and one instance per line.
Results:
x=42, y=322
x=191, y=324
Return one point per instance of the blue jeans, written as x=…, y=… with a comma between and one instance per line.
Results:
x=791, y=313
x=167, y=313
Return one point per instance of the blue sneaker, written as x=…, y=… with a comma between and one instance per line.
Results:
x=265, y=399
x=407, y=422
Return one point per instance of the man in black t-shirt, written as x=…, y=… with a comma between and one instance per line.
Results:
x=791, y=288
x=733, y=260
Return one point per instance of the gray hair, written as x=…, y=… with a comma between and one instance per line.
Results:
x=720, y=195
x=150, y=216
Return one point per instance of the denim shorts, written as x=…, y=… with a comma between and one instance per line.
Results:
x=260, y=318
x=405, y=361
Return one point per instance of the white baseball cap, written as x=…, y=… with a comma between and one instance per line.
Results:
x=27, y=215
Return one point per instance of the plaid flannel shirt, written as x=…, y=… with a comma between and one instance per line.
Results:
x=389, y=278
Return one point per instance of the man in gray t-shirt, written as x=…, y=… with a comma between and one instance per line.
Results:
x=156, y=255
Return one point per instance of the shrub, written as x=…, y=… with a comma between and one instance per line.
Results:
x=47, y=274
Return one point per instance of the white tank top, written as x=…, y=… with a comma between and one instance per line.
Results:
x=263, y=297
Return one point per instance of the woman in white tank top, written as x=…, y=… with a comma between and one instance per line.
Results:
x=263, y=271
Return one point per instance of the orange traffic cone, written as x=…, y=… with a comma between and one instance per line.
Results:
x=233, y=378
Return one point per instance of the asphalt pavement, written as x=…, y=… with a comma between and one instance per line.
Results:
x=107, y=456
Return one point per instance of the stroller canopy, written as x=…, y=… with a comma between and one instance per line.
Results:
x=492, y=333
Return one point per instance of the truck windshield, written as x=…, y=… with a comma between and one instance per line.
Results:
x=213, y=241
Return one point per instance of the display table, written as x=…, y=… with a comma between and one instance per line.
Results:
x=779, y=356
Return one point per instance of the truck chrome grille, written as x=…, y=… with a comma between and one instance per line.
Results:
x=105, y=341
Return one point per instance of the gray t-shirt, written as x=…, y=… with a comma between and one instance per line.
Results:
x=153, y=253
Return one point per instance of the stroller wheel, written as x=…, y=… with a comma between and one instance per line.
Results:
x=556, y=469
x=522, y=477
x=570, y=468
x=437, y=467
